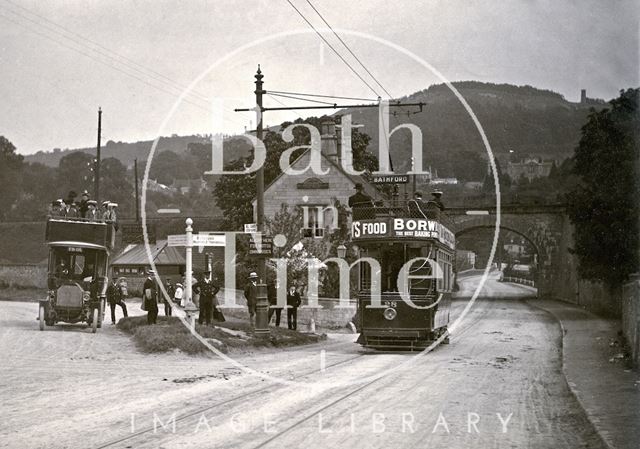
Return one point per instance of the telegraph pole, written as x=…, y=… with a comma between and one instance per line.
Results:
x=135, y=170
x=96, y=181
x=262, y=306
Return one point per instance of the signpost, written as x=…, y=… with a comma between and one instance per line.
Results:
x=188, y=240
x=250, y=228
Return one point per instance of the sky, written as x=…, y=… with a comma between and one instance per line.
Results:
x=61, y=60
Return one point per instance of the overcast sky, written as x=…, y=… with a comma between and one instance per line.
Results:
x=61, y=60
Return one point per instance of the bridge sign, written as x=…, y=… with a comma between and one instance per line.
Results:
x=390, y=179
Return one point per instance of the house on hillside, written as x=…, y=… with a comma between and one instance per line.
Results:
x=186, y=186
x=529, y=168
x=312, y=190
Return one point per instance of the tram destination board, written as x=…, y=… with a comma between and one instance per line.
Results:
x=390, y=179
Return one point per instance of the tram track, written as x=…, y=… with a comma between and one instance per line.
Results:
x=195, y=413
x=199, y=411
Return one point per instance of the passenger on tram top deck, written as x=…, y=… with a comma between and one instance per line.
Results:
x=417, y=206
x=92, y=211
x=83, y=206
x=360, y=199
x=437, y=198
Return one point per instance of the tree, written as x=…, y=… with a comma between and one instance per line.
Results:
x=75, y=172
x=116, y=186
x=11, y=165
x=234, y=193
x=604, y=206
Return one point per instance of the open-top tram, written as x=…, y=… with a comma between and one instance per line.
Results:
x=77, y=274
x=415, y=252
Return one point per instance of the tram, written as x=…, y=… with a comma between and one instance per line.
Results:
x=415, y=251
x=77, y=275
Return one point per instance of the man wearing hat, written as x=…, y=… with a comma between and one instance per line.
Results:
x=360, y=199
x=207, y=290
x=437, y=195
x=251, y=295
x=416, y=206
x=150, y=297
x=115, y=298
x=83, y=206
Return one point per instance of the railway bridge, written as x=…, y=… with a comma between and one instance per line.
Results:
x=547, y=228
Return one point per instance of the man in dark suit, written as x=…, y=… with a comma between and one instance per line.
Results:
x=293, y=302
x=207, y=290
x=83, y=206
x=150, y=297
x=115, y=298
x=251, y=295
x=360, y=199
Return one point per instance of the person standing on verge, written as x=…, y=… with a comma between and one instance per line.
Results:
x=170, y=292
x=293, y=302
x=207, y=290
x=150, y=297
x=272, y=296
x=251, y=295
x=114, y=297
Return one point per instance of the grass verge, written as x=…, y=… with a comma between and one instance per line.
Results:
x=231, y=336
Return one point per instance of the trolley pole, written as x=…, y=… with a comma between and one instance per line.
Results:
x=262, y=306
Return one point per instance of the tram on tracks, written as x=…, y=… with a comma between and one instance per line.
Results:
x=77, y=271
x=416, y=256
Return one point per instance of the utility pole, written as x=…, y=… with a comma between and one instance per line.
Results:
x=135, y=170
x=262, y=305
x=96, y=181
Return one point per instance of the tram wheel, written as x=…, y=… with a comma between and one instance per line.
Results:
x=94, y=321
x=41, y=316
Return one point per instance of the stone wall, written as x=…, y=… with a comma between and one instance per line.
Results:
x=23, y=275
x=631, y=316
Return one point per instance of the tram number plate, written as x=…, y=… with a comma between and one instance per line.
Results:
x=393, y=304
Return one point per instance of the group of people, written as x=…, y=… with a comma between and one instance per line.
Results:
x=205, y=291
x=86, y=208
x=293, y=302
x=416, y=206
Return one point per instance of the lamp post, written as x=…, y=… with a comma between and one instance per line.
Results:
x=342, y=251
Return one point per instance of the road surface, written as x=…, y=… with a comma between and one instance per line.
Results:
x=498, y=384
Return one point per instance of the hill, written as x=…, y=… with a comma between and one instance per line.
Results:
x=523, y=119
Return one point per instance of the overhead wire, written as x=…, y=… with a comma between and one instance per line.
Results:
x=304, y=99
x=332, y=48
x=166, y=82
x=349, y=49
x=321, y=96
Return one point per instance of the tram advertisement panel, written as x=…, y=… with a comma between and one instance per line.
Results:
x=399, y=228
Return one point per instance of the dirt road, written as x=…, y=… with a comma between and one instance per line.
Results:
x=498, y=384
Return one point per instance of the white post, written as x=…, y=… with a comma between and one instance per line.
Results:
x=188, y=251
